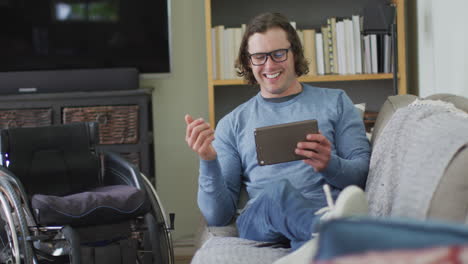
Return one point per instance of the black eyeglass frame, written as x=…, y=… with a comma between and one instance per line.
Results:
x=269, y=54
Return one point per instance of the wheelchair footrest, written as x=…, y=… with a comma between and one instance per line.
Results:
x=38, y=238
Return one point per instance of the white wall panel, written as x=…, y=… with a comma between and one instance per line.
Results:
x=442, y=47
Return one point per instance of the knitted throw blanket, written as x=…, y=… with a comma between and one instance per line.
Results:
x=411, y=155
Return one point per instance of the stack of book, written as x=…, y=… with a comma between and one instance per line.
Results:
x=225, y=43
x=338, y=47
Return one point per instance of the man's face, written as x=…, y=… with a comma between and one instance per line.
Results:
x=276, y=79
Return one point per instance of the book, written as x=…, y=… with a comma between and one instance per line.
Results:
x=309, y=50
x=319, y=53
x=381, y=52
x=357, y=44
x=219, y=51
x=243, y=27
x=387, y=53
x=293, y=24
x=213, y=53
x=374, y=58
x=300, y=34
x=227, y=51
x=235, y=51
x=326, y=50
x=349, y=46
x=367, y=55
x=341, y=50
x=334, y=68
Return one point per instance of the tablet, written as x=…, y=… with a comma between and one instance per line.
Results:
x=276, y=144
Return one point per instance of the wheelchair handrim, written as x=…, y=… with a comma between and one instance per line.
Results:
x=12, y=232
x=167, y=236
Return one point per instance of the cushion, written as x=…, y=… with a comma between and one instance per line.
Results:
x=448, y=254
x=449, y=198
x=343, y=237
x=361, y=109
x=96, y=206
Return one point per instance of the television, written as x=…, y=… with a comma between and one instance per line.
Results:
x=82, y=45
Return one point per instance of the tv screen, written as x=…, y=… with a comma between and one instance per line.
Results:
x=45, y=35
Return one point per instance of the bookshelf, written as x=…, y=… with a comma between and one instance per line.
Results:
x=226, y=94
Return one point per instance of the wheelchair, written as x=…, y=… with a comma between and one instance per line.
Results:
x=64, y=201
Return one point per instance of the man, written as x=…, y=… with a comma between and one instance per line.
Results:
x=283, y=197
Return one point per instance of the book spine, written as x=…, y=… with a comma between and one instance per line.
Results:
x=374, y=58
x=357, y=44
x=381, y=52
x=367, y=55
x=227, y=53
x=213, y=53
x=219, y=52
x=300, y=34
x=340, y=40
x=349, y=40
x=334, y=68
x=319, y=51
x=326, y=51
x=235, y=52
x=388, y=54
x=309, y=50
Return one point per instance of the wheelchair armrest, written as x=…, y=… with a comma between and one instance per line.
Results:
x=117, y=170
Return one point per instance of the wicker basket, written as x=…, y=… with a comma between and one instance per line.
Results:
x=25, y=118
x=117, y=124
x=132, y=157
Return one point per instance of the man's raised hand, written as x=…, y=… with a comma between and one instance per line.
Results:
x=199, y=136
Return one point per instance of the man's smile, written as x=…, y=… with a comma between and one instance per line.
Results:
x=272, y=75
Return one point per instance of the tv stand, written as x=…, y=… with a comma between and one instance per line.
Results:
x=124, y=118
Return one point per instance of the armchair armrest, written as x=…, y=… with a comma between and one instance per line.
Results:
x=205, y=232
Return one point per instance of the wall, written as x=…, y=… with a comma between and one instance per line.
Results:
x=442, y=40
x=184, y=91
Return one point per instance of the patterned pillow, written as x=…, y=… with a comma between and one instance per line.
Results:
x=342, y=237
x=449, y=255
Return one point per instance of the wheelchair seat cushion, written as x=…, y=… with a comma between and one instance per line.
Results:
x=96, y=206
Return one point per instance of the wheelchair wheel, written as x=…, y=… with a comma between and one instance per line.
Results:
x=159, y=232
x=18, y=249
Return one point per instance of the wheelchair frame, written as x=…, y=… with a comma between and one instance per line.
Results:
x=28, y=242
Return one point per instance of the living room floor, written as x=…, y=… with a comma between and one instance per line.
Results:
x=183, y=254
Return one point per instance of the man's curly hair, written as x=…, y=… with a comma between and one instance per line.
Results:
x=261, y=24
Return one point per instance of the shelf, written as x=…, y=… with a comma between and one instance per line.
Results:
x=342, y=78
x=321, y=78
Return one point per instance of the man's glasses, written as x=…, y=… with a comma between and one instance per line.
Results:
x=278, y=55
